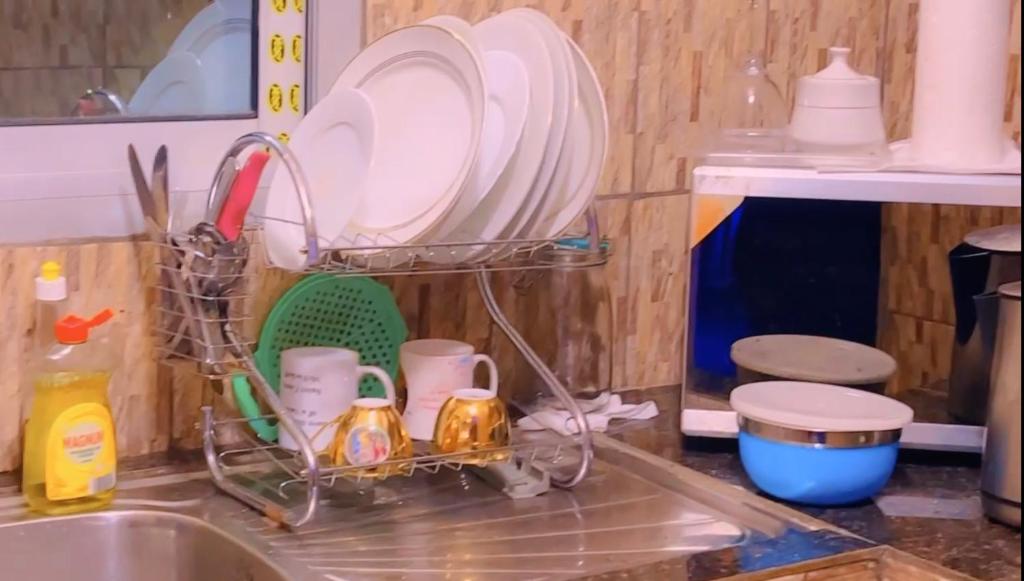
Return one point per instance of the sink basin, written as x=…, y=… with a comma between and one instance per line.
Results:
x=126, y=545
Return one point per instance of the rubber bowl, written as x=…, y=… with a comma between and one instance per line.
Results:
x=817, y=475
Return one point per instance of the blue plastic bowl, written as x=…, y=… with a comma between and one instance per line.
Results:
x=814, y=474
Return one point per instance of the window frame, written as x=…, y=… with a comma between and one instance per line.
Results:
x=72, y=182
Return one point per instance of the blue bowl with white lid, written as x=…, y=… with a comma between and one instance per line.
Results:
x=818, y=444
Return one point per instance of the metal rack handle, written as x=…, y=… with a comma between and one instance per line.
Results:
x=298, y=177
x=585, y=438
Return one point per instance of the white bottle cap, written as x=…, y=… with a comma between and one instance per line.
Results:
x=51, y=284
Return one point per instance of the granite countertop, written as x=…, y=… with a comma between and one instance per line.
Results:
x=930, y=509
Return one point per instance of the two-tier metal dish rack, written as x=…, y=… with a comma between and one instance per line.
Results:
x=205, y=317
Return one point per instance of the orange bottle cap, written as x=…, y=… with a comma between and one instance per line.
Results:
x=72, y=330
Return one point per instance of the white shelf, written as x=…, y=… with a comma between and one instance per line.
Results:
x=929, y=188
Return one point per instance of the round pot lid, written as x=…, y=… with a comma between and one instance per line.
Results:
x=998, y=239
x=819, y=407
x=812, y=358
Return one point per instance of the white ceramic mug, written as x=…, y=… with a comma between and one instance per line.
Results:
x=318, y=384
x=434, y=369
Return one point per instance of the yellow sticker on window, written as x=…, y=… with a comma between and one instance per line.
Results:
x=295, y=98
x=275, y=98
x=277, y=48
x=300, y=6
x=297, y=48
x=283, y=137
x=279, y=5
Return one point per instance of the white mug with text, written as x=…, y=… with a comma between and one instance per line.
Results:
x=318, y=384
x=434, y=369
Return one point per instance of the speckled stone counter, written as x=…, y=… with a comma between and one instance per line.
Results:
x=939, y=506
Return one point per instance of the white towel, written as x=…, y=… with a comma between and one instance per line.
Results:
x=599, y=411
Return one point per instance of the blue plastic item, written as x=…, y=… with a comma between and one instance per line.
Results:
x=816, y=475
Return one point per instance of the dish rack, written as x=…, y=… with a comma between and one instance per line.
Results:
x=208, y=287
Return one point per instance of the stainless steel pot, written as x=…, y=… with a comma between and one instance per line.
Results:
x=1000, y=480
x=976, y=273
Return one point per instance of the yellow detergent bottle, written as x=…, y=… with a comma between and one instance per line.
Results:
x=70, y=457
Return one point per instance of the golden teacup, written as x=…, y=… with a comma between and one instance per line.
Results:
x=473, y=422
x=371, y=434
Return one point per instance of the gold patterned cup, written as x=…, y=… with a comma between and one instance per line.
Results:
x=370, y=434
x=473, y=422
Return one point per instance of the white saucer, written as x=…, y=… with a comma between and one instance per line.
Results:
x=335, y=144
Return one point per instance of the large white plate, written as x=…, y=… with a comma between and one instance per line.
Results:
x=220, y=37
x=564, y=75
x=335, y=143
x=175, y=86
x=459, y=28
x=493, y=214
x=428, y=93
x=589, y=140
x=508, y=100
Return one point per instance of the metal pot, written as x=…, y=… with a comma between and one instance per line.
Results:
x=1000, y=479
x=976, y=274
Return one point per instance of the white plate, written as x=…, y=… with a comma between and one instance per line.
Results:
x=564, y=75
x=590, y=148
x=175, y=86
x=335, y=144
x=492, y=216
x=220, y=37
x=468, y=198
x=428, y=94
x=508, y=100
x=459, y=28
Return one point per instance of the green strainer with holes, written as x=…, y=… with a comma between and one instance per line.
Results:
x=322, y=310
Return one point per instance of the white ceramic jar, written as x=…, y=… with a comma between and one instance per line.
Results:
x=838, y=109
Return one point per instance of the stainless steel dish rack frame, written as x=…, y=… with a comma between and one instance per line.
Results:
x=287, y=486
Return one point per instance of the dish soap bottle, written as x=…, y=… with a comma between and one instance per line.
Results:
x=70, y=457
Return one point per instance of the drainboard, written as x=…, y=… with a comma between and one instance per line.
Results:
x=454, y=526
x=632, y=511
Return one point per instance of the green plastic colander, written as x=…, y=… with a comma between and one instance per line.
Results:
x=322, y=310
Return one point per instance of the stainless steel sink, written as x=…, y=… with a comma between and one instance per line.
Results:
x=634, y=510
x=128, y=545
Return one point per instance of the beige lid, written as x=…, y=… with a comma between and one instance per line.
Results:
x=998, y=239
x=819, y=407
x=1010, y=290
x=810, y=358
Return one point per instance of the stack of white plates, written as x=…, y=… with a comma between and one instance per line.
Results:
x=452, y=139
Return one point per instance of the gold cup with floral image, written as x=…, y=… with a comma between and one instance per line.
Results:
x=371, y=438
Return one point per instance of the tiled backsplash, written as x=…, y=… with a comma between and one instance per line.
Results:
x=662, y=63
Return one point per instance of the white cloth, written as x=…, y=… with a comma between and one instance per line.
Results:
x=599, y=411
